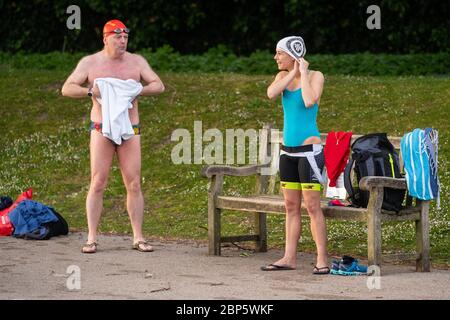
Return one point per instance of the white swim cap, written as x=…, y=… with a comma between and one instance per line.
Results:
x=293, y=45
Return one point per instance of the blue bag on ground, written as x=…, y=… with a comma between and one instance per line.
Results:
x=33, y=220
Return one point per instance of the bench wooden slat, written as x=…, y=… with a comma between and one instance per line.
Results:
x=275, y=204
x=251, y=204
x=251, y=237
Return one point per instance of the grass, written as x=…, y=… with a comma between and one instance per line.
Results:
x=45, y=146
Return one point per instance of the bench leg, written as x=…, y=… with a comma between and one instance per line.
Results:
x=260, y=221
x=214, y=231
x=374, y=227
x=374, y=241
x=423, y=239
x=214, y=215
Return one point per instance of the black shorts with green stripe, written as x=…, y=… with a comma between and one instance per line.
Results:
x=296, y=172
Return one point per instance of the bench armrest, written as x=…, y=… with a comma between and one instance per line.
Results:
x=372, y=181
x=209, y=171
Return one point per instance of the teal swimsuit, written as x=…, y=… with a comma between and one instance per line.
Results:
x=301, y=166
x=300, y=122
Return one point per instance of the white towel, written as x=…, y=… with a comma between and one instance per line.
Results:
x=116, y=98
x=337, y=192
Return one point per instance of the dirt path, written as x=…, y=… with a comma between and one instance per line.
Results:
x=183, y=270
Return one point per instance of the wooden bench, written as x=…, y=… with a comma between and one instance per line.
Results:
x=266, y=201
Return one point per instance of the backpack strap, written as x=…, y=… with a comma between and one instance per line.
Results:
x=347, y=181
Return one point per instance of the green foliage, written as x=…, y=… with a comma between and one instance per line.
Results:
x=194, y=26
x=221, y=59
x=45, y=61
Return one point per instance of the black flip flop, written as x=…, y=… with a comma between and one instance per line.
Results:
x=276, y=267
x=322, y=270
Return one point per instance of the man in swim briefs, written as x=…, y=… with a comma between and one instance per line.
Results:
x=113, y=61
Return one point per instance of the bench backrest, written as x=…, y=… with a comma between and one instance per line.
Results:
x=271, y=146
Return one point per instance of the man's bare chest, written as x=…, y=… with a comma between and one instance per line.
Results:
x=122, y=71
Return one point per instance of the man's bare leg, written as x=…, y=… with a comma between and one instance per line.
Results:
x=102, y=153
x=129, y=155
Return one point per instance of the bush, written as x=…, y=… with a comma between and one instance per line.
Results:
x=46, y=61
x=221, y=59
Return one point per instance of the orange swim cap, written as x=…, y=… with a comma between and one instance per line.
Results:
x=115, y=26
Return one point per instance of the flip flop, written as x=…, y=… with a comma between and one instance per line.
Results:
x=276, y=267
x=322, y=270
x=142, y=246
x=89, y=247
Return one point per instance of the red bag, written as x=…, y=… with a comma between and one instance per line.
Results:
x=6, y=228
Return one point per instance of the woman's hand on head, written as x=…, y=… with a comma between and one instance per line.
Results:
x=303, y=65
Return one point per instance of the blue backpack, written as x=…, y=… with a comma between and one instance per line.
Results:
x=420, y=156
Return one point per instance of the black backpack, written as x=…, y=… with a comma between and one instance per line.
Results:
x=374, y=155
x=57, y=228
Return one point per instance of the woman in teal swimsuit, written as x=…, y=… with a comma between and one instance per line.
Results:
x=301, y=159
